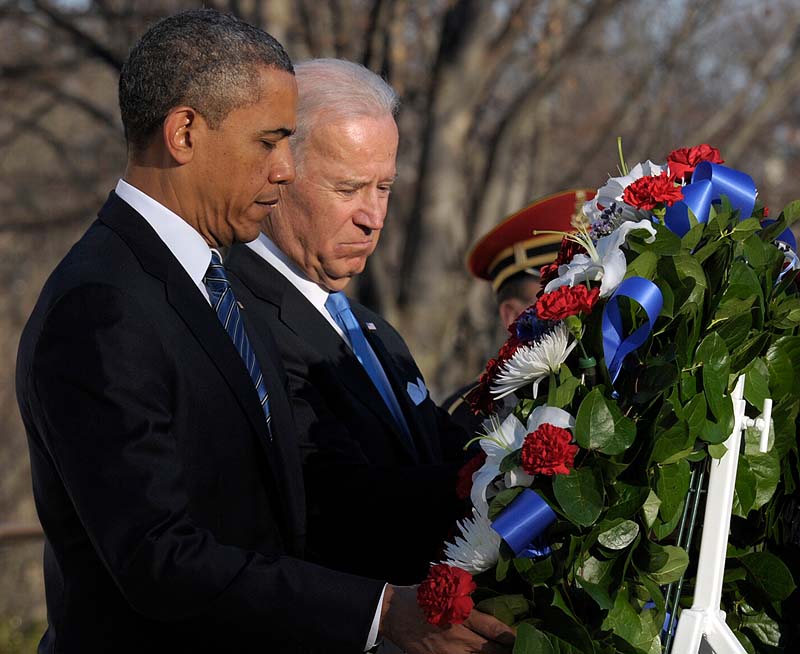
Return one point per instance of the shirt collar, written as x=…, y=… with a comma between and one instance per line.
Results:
x=267, y=250
x=312, y=291
x=185, y=243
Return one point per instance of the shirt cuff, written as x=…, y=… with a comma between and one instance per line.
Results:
x=372, y=639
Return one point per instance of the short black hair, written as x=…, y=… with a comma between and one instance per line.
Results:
x=202, y=58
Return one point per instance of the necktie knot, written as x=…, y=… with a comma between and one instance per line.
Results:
x=215, y=280
x=337, y=304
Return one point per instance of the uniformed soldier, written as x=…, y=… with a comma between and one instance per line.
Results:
x=510, y=257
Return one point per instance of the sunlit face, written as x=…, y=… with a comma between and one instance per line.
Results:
x=330, y=219
x=240, y=165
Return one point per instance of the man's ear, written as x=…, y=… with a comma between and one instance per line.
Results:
x=509, y=309
x=180, y=130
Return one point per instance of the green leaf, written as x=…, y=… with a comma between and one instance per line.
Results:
x=601, y=426
x=595, y=577
x=783, y=363
x=717, y=450
x=761, y=625
x=619, y=536
x=769, y=574
x=650, y=508
x=624, y=621
x=712, y=354
x=676, y=564
x=534, y=572
x=744, y=493
x=510, y=461
x=531, y=641
x=673, y=444
x=506, y=608
x=565, y=392
x=745, y=229
x=580, y=495
x=756, y=382
x=695, y=413
x=765, y=466
x=672, y=485
x=643, y=266
x=627, y=500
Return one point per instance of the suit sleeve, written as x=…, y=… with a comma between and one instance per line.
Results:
x=102, y=397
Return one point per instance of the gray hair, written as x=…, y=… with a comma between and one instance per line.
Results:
x=337, y=89
x=202, y=58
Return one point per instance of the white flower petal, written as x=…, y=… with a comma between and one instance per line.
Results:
x=500, y=440
x=477, y=549
x=517, y=477
x=531, y=363
x=551, y=415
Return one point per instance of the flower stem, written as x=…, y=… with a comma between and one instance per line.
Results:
x=622, y=165
x=551, y=390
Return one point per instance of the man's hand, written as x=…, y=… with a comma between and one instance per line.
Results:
x=403, y=622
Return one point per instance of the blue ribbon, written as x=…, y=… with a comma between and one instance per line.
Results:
x=616, y=346
x=710, y=182
x=523, y=521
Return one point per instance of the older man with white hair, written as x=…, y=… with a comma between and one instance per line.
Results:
x=380, y=458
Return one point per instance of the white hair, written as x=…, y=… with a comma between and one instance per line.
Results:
x=331, y=90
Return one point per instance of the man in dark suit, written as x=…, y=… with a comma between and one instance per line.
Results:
x=163, y=451
x=380, y=457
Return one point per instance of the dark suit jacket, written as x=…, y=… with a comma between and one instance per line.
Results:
x=171, y=518
x=376, y=505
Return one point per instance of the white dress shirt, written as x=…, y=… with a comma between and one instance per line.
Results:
x=185, y=243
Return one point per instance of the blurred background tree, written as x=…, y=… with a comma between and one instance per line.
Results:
x=503, y=101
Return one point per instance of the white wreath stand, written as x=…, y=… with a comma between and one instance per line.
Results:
x=705, y=618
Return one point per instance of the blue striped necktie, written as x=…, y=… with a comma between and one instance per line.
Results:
x=222, y=299
x=338, y=306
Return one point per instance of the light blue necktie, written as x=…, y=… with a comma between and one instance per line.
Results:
x=338, y=306
x=222, y=299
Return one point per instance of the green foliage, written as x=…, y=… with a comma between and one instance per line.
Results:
x=669, y=413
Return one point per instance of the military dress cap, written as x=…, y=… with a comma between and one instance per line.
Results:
x=512, y=247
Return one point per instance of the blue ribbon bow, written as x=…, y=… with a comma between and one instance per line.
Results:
x=710, y=182
x=617, y=346
x=523, y=521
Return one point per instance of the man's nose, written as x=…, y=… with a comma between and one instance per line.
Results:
x=283, y=171
x=372, y=211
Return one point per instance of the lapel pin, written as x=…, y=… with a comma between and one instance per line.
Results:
x=241, y=306
x=371, y=326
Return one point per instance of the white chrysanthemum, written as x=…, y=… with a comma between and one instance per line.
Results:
x=612, y=192
x=477, y=548
x=532, y=363
x=504, y=438
x=605, y=261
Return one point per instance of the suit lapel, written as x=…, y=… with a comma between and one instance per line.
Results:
x=298, y=314
x=419, y=430
x=187, y=301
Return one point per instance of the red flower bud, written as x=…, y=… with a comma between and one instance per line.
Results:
x=649, y=192
x=444, y=596
x=548, y=451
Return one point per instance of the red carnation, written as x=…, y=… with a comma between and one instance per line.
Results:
x=464, y=475
x=568, y=250
x=445, y=595
x=683, y=161
x=548, y=451
x=566, y=301
x=480, y=398
x=650, y=191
